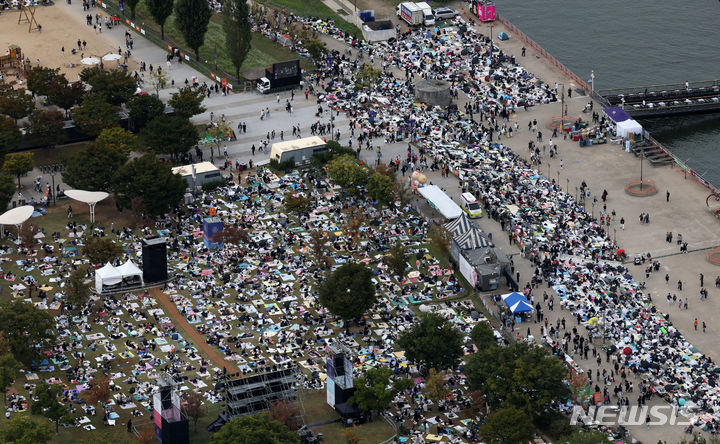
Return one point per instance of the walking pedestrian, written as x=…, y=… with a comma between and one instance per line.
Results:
x=695, y=324
x=667, y=196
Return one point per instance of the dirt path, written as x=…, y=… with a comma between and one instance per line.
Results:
x=191, y=334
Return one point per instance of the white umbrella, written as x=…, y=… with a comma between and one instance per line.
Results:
x=111, y=56
x=40, y=235
x=90, y=61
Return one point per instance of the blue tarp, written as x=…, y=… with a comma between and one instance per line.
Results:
x=503, y=36
x=517, y=303
x=617, y=114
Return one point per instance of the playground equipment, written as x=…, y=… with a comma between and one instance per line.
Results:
x=27, y=14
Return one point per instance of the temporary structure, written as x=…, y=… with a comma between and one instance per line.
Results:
x=107, y=276
x=130, y=270
x=517, y=303
x=441, y=201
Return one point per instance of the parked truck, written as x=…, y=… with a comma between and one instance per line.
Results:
x=280, y=76
x=416, y=13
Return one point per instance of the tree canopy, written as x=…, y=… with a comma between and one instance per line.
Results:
x=27, y=328
x=519, y=375
x=254, y=429
x=24, y=429
x=10, y=135
x=160, y=10
x=381, y=188
x=39, y=79
x=236, y=25
x=16, y=103
x=46, y=128
x=192, y=17
x=374, y=391
x=348, y=292
x=114, y=86
x=78, y=291
x=347, y=173
x=18, y=164
x=508, y=425
x=66, y=95
x=7, y=190
x=48, y=404
x=396, y=260
x=170, y=135
x=152, y=181
x=100, y=250
x=482, y=336
x=95, y=114
x=143, y=109
x=434, y=342
x=94, y=167
x=187, y=102
x=118, y=138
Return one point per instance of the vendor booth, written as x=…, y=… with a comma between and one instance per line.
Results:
x=517, y=303
x=625, y=124
x=109, y=279
x=441, y=202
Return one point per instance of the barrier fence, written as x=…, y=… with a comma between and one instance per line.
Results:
x=689, y=172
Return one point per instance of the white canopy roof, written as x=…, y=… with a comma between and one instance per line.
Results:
x=441, y=201
x=129, y=269
x=107, y=275
x=628, y=126
x=88, y=197
x=17, y=216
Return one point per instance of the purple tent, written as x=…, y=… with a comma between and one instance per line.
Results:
x=617, y=114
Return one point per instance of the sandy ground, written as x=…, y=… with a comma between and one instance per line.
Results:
x=58, y=30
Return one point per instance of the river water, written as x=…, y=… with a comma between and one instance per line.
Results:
x=636, y=43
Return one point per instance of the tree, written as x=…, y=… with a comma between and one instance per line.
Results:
x=316, y=49
x=194, y=408
x=27, y=328
x=9, y=368
x=47, y=128
x=346, y=172
x=47, y=403
x=66, y=95
x=114, y=86
x=520, y=375
x=10, y=135
x=99, y=390
x=298, y=204
x=402, y=192
x=94, y=167
x=187, y=102
x=367, y=76
x=435, y=386
x=27, y=233
x=254, y=429
x=118, y=138
x=236, y=25
x=146, y=434
x=380, y=188
x=170, y=135
x=7, y=190
x=78, y=291
x=351, y=435
x=372, y=392
x=100, y=250
x=95, y=114
x=23, y=429
x=160, y=10
x=143, y=109
x=354, y=220
x=16, y=103
x=192, y=17
x=151, y=180
x=39, y=79
x=434, y=343
x=132, y=4
x=348, y=292
x=483, y=336
x=582, y=436
x=318, y=240
x=159, y=80
x=18, y=164
x=286, y=412
x=508, y=425
x=396, y=260
x=440, y=239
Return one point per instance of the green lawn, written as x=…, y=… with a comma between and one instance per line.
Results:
x=315, y=8
x=263, y=51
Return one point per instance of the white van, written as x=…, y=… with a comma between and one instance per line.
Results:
x=471, y=205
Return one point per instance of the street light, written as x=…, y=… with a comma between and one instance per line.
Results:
x=491, y=42
x=567, y=184
x=593, y=210
x=615, y=235
x=576, y=193
x=52, y=191
x=558, y=182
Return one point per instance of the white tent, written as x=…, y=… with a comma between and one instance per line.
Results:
x=107, y=275
x=129, y=269
x=628, y=126
x=441, y=201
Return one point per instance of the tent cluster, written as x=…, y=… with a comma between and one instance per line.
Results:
x=112, y=278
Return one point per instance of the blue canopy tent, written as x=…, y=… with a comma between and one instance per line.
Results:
x=517, y=303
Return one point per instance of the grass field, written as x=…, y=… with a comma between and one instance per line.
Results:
x=263, y=51
x=315, y=8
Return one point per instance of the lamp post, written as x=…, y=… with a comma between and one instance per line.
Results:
x=491, y=42
x=332, y=124
x=576, y=194
x=593, y=210
x=592, y=81
x=52, y=191
x=567, y=184
x=558, y=182
x=615, y=235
